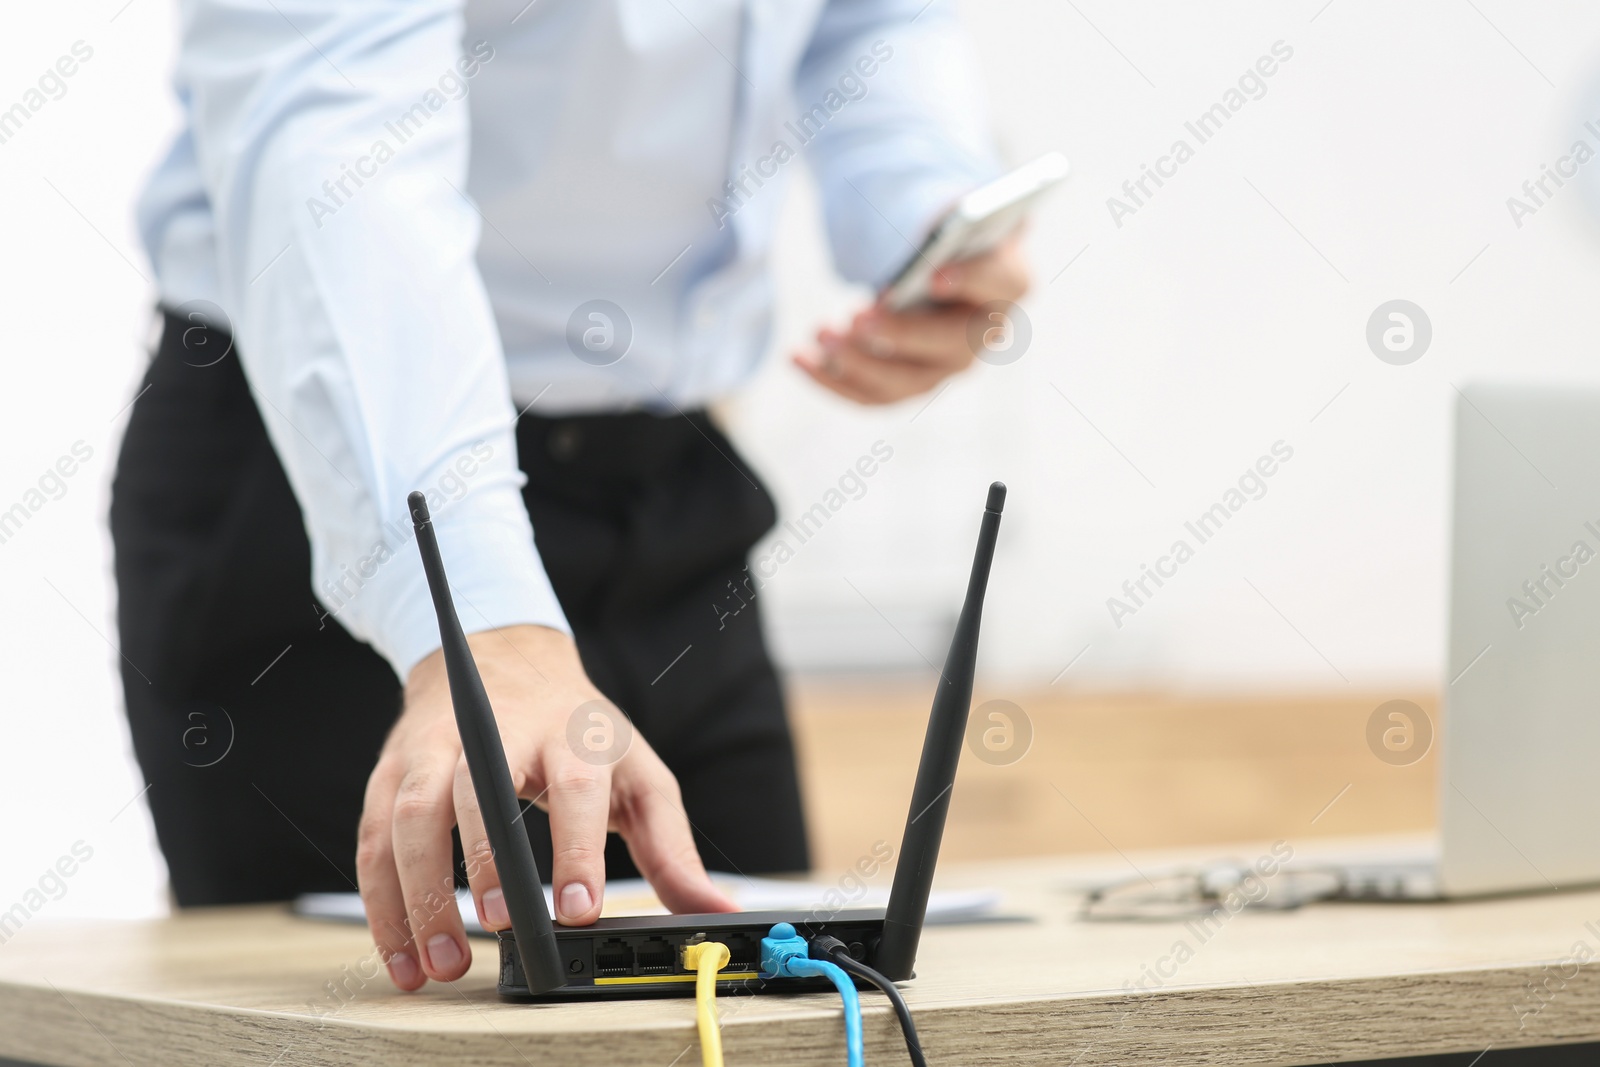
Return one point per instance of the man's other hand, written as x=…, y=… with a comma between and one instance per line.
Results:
x=887, y=356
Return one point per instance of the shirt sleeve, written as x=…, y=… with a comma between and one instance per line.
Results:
x=332, y=139
x=907, y=133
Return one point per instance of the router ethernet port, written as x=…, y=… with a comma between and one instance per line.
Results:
x=744, y=953
x=613, y=959
x=655, y=956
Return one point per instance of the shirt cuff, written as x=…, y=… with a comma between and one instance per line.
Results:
x=875, y=245
x=496, y=580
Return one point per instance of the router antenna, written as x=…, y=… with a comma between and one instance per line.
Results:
x=936, y=774
x=491, y=777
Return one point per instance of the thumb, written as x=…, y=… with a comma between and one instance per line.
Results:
x=659, y=839
x=999, y=274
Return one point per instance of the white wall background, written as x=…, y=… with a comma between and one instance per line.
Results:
x=1222, y=317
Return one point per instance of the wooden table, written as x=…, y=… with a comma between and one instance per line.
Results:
x=1140, y=770
x=1325, y=983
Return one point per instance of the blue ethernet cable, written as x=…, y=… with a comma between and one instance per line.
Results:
x=828, y=947
x=783, y=955
x=804, y=967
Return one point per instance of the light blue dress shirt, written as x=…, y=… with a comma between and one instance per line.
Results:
x=421, y=216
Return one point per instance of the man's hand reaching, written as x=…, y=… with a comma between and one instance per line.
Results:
x=420, y=789
x=887, y=356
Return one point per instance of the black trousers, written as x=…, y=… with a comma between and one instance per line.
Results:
x=257, y=718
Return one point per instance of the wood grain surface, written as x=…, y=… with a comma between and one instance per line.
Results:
x=1106, y=770
x=1320, y=984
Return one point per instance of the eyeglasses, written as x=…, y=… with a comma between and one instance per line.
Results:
x=1199, y=892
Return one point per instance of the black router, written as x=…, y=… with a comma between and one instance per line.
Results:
x=643, y=955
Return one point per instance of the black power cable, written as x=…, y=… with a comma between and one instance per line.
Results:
x=835, y=950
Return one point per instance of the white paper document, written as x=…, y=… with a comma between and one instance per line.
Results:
x=633, y=896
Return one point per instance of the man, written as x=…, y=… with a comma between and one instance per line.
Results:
x=503, y=254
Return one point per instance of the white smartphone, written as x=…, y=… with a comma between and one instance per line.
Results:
x=978, y=221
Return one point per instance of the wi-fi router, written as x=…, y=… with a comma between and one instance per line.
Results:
x=634, y=956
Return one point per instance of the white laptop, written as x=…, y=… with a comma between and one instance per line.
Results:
x=1519, y=770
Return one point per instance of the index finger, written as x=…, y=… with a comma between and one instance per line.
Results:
x=578, y=801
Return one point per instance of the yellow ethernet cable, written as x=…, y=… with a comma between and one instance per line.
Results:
x=707, y=958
